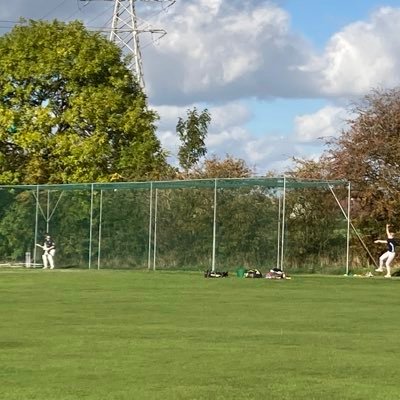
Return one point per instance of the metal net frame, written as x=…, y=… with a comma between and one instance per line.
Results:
x=190, y=224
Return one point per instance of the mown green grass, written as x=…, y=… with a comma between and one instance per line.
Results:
x=143, y=335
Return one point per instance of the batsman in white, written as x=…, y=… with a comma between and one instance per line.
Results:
x=389, y=255
x=49, y=247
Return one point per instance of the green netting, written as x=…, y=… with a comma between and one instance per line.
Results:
x=196, y=224
x=289, y=183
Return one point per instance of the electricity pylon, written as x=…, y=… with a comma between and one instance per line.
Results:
x=125, y=32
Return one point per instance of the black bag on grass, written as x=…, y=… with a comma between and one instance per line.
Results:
x=215, y=274
x=253, y=273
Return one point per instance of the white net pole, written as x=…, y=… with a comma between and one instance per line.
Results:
x=91, y=223
x=348, y=228
x=155, y=230
x=214, y=227
x=36, y=224
x=283, y=220
x=279, y=234
x=100, y=222
x=150, y=226
x=48, y=212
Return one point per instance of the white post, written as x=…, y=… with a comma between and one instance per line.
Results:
x=100, y=221
x=214, y=227
x=155, y=230
x=48, y=212
x=283, y=220
x=348, y=228
x=279, y=234
x=36, y=224
x=150, y=225
x=91, y=222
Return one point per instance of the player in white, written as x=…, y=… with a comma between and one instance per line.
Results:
x=389, y=255
x=49, y=247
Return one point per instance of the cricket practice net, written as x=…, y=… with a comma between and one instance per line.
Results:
x=218, y=224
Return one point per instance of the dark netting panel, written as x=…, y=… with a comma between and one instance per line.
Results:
x=120, y=229
x=247, y=227
x=17, y=224
x=65, y=215
x=315, y=230
x=183, y=228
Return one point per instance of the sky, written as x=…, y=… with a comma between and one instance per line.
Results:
x=278, y=77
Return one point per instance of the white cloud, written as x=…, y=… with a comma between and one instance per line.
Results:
x=230, y=114
x=271, y=152
x=170, y=142
x=169, y=115
x=227, y=141
x=362, y=56
x=326, y=122
x=166, y=128
x=222, y=51
x=217, y=50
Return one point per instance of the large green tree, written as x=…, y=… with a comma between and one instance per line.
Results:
x=70, y=109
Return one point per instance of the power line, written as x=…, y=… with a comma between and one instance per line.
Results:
x=100, y=15
x=54, y=9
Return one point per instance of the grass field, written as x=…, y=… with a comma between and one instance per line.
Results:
x=143, y=335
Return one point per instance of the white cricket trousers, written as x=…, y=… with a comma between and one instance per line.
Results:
x=47, y=258
x=388, y=257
